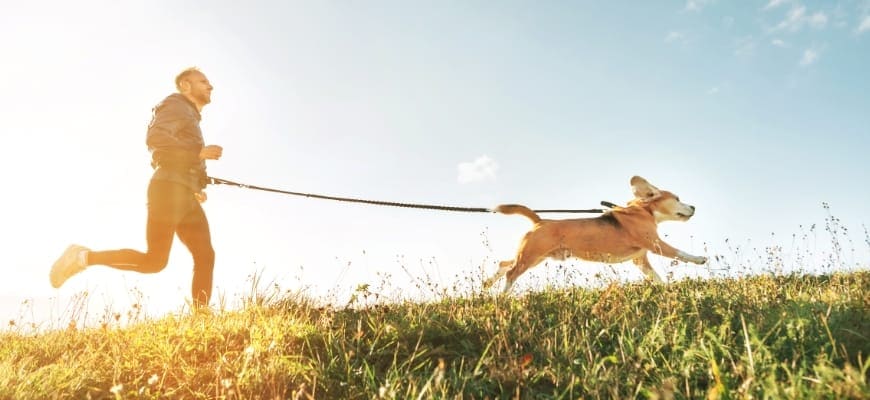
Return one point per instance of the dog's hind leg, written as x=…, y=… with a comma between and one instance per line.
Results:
x=530, y=254
x=513, y=274
x=525, y=260
x=503, y=268
x=642, y=262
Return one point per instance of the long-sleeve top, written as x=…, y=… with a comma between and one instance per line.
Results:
x=175, y=141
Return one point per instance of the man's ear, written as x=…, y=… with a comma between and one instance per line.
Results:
x=185, y=86
x=642, y=189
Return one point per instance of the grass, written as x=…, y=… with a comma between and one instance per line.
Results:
x=769, y=336
x=772, y=332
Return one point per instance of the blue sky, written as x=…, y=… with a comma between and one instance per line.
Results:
x=755, y=112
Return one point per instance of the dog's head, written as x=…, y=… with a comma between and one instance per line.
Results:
x=664, y=205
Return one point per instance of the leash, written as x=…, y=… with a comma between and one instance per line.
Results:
x=221, y=181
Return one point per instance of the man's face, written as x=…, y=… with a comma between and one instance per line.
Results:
x=200, y=88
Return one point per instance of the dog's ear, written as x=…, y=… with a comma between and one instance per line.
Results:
x=642, y=189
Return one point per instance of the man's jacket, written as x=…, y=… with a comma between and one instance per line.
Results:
x=175, y=140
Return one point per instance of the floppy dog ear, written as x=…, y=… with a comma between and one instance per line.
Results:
x=642, y=189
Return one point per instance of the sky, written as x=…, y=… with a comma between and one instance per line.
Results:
x=755, y=112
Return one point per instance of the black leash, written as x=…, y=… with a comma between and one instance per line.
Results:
x=220, y=181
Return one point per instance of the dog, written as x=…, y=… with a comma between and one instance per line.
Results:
x=618, y=235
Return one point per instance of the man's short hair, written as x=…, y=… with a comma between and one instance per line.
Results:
x=181, y=77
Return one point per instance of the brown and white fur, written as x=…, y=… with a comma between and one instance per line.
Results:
x=620, y=234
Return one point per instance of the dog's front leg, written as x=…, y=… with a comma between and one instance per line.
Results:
x=661, y=248
x=683, y=256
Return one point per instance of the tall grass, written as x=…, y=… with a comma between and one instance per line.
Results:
x=762, y=336
x=784, y=331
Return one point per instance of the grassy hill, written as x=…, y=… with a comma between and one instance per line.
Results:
x=762, y=336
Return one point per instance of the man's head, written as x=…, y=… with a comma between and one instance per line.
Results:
x=193, y=85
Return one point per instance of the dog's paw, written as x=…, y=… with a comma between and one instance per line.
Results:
x=683, y=256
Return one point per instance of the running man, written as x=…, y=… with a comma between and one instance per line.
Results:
x=176, y=189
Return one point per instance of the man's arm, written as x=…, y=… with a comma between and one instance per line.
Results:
x=165, y=124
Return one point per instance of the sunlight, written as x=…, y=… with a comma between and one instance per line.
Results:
x=530, y=113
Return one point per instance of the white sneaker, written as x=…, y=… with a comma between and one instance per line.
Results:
x=71, y=262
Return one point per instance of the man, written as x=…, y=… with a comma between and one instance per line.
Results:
x=175, y=192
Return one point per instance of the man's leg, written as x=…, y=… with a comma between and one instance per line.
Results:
x=159, y=236
x=168, y=203
x=194, y=232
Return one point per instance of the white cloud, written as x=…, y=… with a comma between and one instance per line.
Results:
x=779, y=43
x=818, y=20
x=673, y=36
x=797, y=18
x=696, y=5
x=794, y=20
x=481, y=169
x=865, y=25
x=713, y=90
x=774, y=4
x=810, y=56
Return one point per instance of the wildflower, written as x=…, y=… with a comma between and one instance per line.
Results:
x=439, y=372
x=153, y=380
x=526, y=360
x=116, y=390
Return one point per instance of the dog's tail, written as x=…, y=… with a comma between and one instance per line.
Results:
x=518, y=209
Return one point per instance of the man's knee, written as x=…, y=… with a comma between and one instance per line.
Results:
x=206, y=256
x=154, y=264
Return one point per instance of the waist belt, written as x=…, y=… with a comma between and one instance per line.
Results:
x=180, y=167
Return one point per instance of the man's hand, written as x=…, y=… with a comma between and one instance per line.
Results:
x=200, y=196
x=211, y=152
